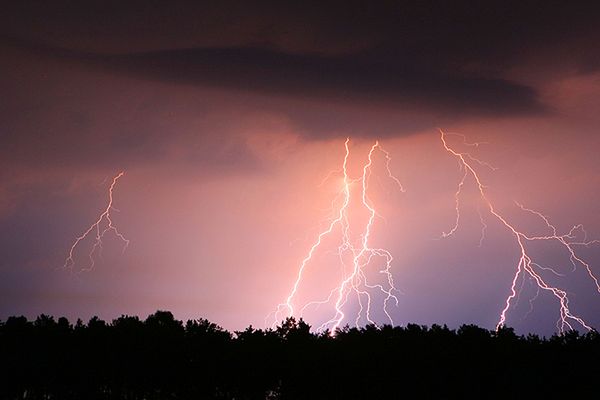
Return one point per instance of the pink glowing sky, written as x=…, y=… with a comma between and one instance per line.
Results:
x=222, y=198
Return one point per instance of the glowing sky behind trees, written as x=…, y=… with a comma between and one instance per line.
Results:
x=227, y=119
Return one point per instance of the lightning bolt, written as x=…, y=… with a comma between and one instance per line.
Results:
x=103, y=225
x=526, y=266
x=354, y=280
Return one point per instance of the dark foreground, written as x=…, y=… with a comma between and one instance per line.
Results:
x=162, y=358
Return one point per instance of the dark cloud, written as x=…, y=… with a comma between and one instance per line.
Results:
x=56, y=115
x=451, y=59
x=354, y=79
x=325, y=66
x=460, y=31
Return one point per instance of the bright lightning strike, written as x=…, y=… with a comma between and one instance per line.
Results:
x=354, y=281
x=526, y=266
x=98, y=230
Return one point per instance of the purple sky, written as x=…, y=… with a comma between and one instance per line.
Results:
x=226, y=119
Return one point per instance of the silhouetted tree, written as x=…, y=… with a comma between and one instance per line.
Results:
x=161, y=358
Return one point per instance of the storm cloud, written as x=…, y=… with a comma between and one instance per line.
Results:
x=451, y=61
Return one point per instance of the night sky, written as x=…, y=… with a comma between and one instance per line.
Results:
x=227, y=118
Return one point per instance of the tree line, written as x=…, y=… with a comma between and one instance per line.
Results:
x=164, y=358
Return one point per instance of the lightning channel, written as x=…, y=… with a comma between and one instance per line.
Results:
x=354, y=281
x=97, y=231
x=526, y=266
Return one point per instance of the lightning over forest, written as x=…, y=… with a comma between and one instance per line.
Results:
x=263, y=161
x=299, y=200
x=527, y=268
x=356, y=256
